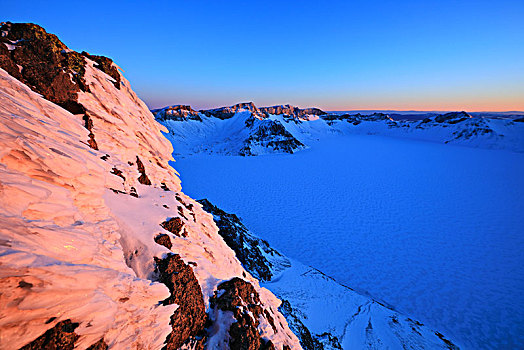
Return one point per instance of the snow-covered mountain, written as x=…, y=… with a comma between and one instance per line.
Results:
x=244, y=129
x=99, y=248
x=240, y=129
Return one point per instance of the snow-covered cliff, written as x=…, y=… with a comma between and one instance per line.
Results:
x=99, y=248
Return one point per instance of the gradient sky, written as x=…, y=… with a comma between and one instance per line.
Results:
x=337, y=55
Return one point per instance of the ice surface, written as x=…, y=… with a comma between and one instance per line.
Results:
x=434, y=230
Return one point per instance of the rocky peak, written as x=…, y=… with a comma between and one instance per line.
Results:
x=42, y=62
x=452, y=117
x=228, y=112
x=177, y=112
x=45, y=64
x=356, y=119
x=292, y=111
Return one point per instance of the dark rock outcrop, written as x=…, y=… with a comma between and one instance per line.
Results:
x=250, y=250
x=358, y=118
x=273, y=135
x=292, y=111
x=118, y=173
x=448, y=118
x=175, y=226
x=143, y=179
x=189, y=320
x=47, y=66
x=61, y=337
x=164, y=240
x=253, y=253
x=178, y=113
x=228, y=112
x=241, y=298
x=99, y=345
x=88, y=124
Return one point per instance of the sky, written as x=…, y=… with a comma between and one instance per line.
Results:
x=335, y=55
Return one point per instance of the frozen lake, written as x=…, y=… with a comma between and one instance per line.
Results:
x=437, y=231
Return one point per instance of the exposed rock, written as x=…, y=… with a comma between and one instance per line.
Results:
x=118, y=173
x=88, y=124
x=377, y=117
x=189, y=319
x=175, y=226
x=164, y=240
x=61, y=337
x=188, y=206
x=228, y=112
x=181, y=211
x=474, y=127
x=450, y=118
x=143, y=179
x=243, y=334
x=132, y=192
x=251, y=251
x=118, y=191
x=48, y=66
x=292, y=111
x=178, y=113
x=449, y=344
x=242, y=299
x=237, y=292
x=7, y=63
x=261, y=261
x=358, y=118
x=42, y=62
x=273, y=135
x=99, y=345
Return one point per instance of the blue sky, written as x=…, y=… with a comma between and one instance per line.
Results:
x=337, y=55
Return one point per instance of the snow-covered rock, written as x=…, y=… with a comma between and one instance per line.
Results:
x=98, y=245
x=238, y=130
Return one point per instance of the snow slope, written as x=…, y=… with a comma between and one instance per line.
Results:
x=79, y=223
x=233, y=134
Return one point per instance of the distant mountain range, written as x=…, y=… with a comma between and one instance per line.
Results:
x=245, y=129
x=417, y=115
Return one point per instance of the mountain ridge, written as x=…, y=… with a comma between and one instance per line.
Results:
x=234, y=130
